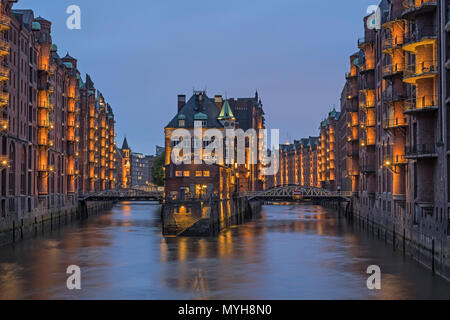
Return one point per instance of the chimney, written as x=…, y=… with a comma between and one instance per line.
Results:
x=218, y=100
x=181, y=101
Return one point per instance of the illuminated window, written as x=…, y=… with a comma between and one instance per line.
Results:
x=181, y=123
x=187, y=173
x=198, y=173
x=206, y=173
x=179, y=173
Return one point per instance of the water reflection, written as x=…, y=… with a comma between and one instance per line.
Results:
x=292, y=252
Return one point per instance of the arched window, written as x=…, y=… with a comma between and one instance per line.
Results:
x=23, y=171
x=12, y=170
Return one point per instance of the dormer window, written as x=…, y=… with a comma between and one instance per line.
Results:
x=181, y=120
x=201, y=119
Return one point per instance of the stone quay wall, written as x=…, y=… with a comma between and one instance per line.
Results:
x=46, y=220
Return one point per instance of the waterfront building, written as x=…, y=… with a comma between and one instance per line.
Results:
x=220, y=179
x=45, y=129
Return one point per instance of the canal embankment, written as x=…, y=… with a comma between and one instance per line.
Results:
x=432, y=253
x=44, y=221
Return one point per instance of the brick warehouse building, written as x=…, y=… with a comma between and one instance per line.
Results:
x=199, y=180
x=392, y=134
x=52, y=148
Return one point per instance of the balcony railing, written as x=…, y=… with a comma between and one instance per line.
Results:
x=4, y=124
x=368, y=123
x=4, y=22
x=4, y=48
x=352, y=173
x=349, y=75
x=421, y=68
x=366, y=40
x=44, y=123
x=392, y=69
x=390, y=96
x=4, y=98
x=390, y=43
x=421, y=150
x=424, y=103
x=398, y=159
x=4, y=73
x=395, y=123
x=422, y=32
x=409, y=5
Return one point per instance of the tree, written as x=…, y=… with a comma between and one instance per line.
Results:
x=158, y=171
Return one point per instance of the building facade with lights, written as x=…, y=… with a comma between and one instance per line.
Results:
x=57, y=134
x=191, y=180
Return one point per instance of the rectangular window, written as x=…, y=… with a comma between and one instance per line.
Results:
x=187, y=173
x=198, y=173
x=179, y=173
x=206, y=173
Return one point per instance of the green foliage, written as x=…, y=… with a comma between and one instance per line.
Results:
x=158, y=171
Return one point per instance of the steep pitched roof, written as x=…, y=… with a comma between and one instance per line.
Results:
x=226, y=113
x=125, y=144
x=199, y=107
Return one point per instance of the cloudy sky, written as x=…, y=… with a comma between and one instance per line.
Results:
x=142, y=53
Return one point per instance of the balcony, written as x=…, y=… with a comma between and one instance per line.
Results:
x=367, y=123
x=4, y=48
x=421, y=151
x=4, y=124
x=4, y=23
x=43, y=123
x=425, y=35
x=362, y=42
x=4, y=74
x=368, y=142
x=397, y=160
x=422, y=70
x=396, y=123
x=366, y=105
x=352, y=173
x=423, y=104
x=389, y=44
x=4, y=99
x=392, y=70
x=43, y=141
x=414, y=7
x=350, y=75
x=391, y=97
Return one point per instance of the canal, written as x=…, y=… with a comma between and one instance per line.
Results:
x=291, y=252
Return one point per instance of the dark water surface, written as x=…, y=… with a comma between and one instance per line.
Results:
x=292, y=252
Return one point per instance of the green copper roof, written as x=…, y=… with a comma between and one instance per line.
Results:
x=35, y=26
x=200, y=116
x=54, y=48
x=181, y=117
x=226, y=112
x=69, y=65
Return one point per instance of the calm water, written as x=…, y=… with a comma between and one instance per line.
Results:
x=292, y=252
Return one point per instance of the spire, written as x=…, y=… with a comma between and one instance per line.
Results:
x=125, y=144
x=226, y=113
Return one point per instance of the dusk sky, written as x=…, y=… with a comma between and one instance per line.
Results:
x=142, y=54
